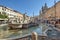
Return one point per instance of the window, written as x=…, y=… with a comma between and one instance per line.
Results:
x=0, y=12
x=4, y=9
x=4, y=13
x=21, y=20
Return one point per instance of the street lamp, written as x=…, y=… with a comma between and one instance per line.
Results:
x=55, y=8
x=55, y=11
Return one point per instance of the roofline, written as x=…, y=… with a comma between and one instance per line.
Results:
x=10, y=9
x=53, y=6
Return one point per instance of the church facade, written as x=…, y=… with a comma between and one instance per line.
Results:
x=50, y=13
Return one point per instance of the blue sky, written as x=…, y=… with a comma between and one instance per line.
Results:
x=29, y=6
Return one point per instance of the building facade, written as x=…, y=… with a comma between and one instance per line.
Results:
x=52, y=12
x=13, y=15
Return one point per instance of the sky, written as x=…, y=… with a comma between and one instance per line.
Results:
x=28, y=6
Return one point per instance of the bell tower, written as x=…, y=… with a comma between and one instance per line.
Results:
x=44, y=8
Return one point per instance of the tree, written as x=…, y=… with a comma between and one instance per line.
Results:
x=3, y=15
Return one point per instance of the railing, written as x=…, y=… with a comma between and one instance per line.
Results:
x=34, y=36
x=39, y=38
